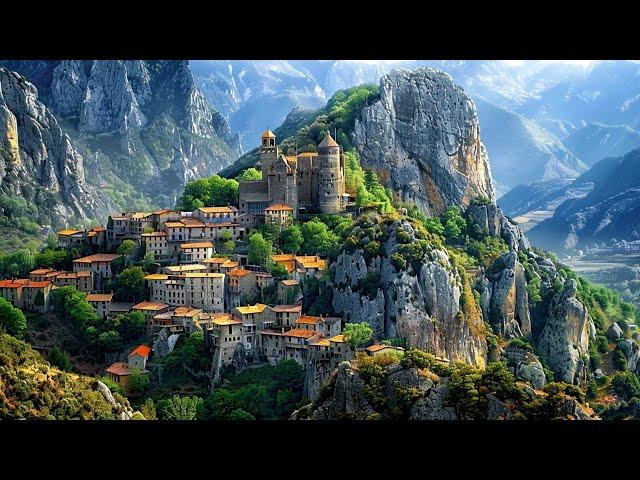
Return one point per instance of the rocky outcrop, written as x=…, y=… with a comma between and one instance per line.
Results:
x=37, y=160
x=525, y=366
x=423, y=138
x=122, y=411
x=490, y=219
x=68, y=87
x=347, y=400
x=505, y=300
x=614, y=332
x=631, y=352
x=422, y=306
x=564, y=339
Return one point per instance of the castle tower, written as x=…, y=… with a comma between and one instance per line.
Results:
x=282, y=183
x=330, y=176
x=268, y=152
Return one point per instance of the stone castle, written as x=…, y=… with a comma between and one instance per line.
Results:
x=307, y=182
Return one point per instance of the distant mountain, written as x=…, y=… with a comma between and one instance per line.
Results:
x=143, y=127
x=595, y=141
x=520, y=151
x=610, y=210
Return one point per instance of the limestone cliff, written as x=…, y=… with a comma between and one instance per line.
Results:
x=421, y=302
x=423, y=138
x=38, y=161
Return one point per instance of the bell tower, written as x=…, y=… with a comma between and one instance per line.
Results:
x=268, y=152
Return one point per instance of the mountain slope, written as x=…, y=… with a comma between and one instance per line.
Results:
x=596, y=141
x=143, y=127
x=521, y=151
x=610, y=210
x=38, y=165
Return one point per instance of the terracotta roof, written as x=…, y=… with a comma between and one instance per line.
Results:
x=190, y=222
x=43, y=284
x=99, y=297
x=69, y=232
x=376, y=348
x=337, y=339
x=98, y=229
x=311, y=261
x=299, y=333
x=308, y=320
x=321, y=343
x=141, y=350
x=70, y=275
x=203, y=275
x=218, y=260
x=43, y=271
x=157, y=276
x=239, y=272
x=328, y=141
x=155, y=234
x=283, y=257
x=186, y=268
x=287, y=308
x=20, y=282
x=308, y=154
x=280, y=207
x=150, y=306
x=247, y=309
x=227, y=209
x=98, y=257
x=173, y=224
x=119, y=368
x=225, y=319
x=164, y=210
x=290, y=283
x=229, y=264
x=186, y=312
x=196, y=245
x=268, y=134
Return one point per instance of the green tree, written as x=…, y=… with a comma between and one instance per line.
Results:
x=240, y=414
x=148, y=262
x=60, y=359
x=127, y=247
x=110, y=341
x=209, y=192
x=226, y=242
x=454, y=223
x=357, y=333
x=178, y=408
x=39, y=300
x=138, y=382
x=278, y=271
x=12, y=319
x=132, y=325
x=131, y=285
x=260, y=250
x=249, y=174
x=291, y=239
x=148, y=230
x=148, y=409
x=318, y=239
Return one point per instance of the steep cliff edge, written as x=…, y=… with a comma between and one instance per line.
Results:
x=124, y=116
x=423, y=138
x=38, y=161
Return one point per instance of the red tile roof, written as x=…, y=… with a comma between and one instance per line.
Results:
x=119, y=368
x=98, y=257
x=141, y=350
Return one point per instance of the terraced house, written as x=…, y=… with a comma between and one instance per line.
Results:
x=100, y=265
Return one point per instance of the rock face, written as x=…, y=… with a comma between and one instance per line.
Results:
x=423, y=306
x=631, y=352
x=614, y=332
x=525, y=366
x=122, y=412
x=347, y=401
x=564, y=340
x=423, y=138
x=37, y=160
x=124, y=114
x=490, y=219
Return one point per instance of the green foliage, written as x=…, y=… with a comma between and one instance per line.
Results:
x=319, y=239
x=488, y=250
x=250, y=174
x=110, y=341
x=12, y=320
x=32, y=389
x=130, y=285
x=278, y=271
x=353, y=172
x=73, y=304
x=619, y=360
x=17, y=264
x=59, y=358
x=127, y=247
x=148, y=409
x=131, y=325
x=373, y=194
x=522, y=344
x=209, y=192
x=369, y=284
x=178, y=408
x=454, y=223
x=263, y=393
x=291, y=239
x=260, y=250
x=415, y=358
x=626, y=385
x=138, y=382
x=357, y=334
x=52, y=257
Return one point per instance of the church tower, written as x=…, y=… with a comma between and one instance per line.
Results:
x=331, y=176
x=268, y=152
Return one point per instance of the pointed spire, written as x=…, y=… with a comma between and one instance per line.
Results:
x=328, y=141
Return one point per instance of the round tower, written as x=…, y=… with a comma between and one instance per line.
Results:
x=330, y=176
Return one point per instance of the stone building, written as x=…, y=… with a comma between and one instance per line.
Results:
x=101, y=302
x=100, y=265
x=309, y=182
x=198, y=289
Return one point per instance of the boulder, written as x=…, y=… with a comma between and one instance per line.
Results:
x=614, y=332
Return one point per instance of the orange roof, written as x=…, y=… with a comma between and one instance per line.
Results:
x=173, y=224
x=98, y=257
x=20, y=282
x=321, y=343
x=287, y=308
x=290, y=283
x=43, y=271
x=227, y=209
x=268, y=134
x=186, y=311
x=283, y=257
x=308, y=320
x=299, y=333
x=196, y=245
x=311, y=261
x=337, y=339
x=141, y=350
x=119, y=368
x=308, y=154
x=280, y=207
x=225, y=319
x=98, y=229
x=99, y=297
x=66, y=233
x=229, y=264
x=239, y=272
x=150, y=306
x=70, y=275
x=43, y=284
x=164, y=210
x=215, y=260
x=247, y=309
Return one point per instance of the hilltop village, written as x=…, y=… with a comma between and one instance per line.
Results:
x=194, y=287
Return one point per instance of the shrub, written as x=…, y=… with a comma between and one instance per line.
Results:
x=626, y=385
x=619, y=360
